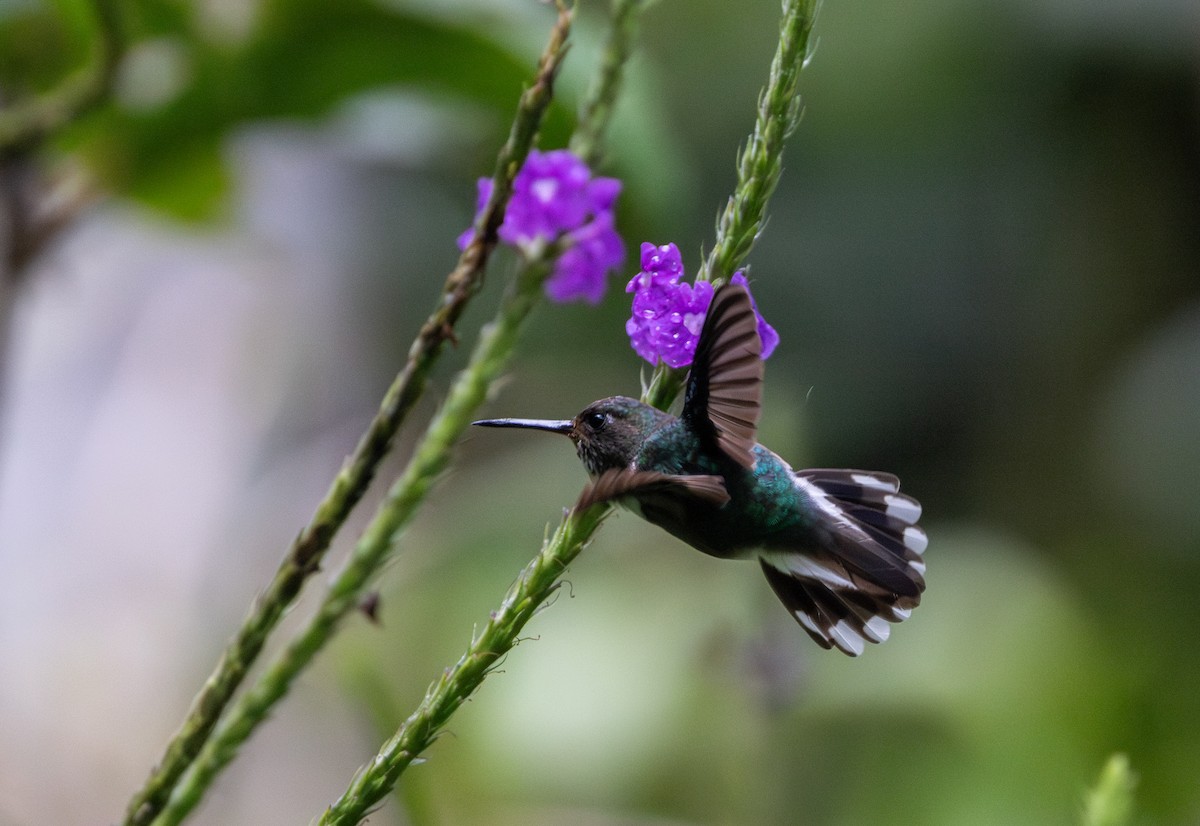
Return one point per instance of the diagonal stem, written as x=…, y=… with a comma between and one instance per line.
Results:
x=528, y=594
x=305, y=555
x=760, y=166
x=496, y=344
x=540, y=577
x=596, y=112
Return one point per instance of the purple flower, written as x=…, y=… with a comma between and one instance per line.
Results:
x=555, y=197
x=668, y=315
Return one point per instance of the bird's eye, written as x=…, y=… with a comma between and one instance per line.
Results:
x=595, y=421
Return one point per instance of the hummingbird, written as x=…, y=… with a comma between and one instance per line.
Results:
x=840, y=548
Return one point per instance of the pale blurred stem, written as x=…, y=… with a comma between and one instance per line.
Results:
x=31, y=120
x=759, y=169
x=596, y=111
x=23, y=126
x=305, y=555
x=760, y=165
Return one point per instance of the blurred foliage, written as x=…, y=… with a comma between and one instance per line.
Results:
x=983, y=262
x=198, y=71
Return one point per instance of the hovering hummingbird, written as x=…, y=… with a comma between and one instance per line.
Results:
x=840, y=548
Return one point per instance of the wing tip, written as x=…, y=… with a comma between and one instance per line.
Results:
x=724, y=395
x=618, y=482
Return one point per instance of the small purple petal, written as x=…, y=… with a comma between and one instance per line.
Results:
x=602, y=194
x=483, y=191
x=770, y=338
x=581, y=271
x=662, y=261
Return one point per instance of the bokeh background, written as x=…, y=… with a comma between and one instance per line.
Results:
x=983, y=263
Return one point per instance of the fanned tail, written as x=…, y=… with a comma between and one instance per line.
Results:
x=867, y=570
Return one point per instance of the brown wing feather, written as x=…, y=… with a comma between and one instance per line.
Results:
x=724, y=392
x=613, y=484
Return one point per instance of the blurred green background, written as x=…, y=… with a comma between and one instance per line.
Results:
x=983, y=264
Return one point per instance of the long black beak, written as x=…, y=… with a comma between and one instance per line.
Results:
x=553, y=425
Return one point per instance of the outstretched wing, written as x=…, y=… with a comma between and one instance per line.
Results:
x=868, y=570
x=616, y=483
x=724, y=389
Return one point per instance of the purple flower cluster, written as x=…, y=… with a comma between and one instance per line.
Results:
x=555, y=197
x=668, y=315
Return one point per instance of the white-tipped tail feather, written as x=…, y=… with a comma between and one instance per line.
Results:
x=867, y=570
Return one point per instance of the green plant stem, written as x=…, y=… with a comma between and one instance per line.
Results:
x=760, y=162
x=760, y=165
x=31, y=120
x=499, y=634
x=537, y=582
x=596, y=111
x=540, y=578
x=307, y=551
x=492, y=352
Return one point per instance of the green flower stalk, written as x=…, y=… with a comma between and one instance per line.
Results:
x=305, y=555
x=760, y=165
x=759, y=169
x=537, y=582
x=602, y=95
x=760, y=162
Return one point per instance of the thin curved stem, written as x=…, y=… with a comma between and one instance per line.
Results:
x=760, y=166
x=31, y=120
x=596, y=112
